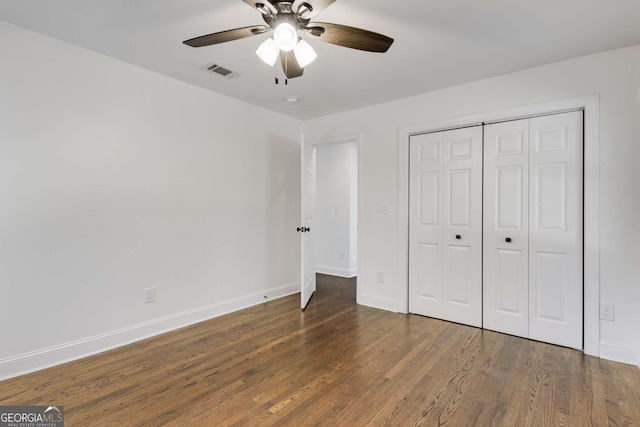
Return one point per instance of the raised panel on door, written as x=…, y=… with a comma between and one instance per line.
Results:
x=555, y=235
x=462, y=228
x=510, y=268
x=505, y=239
x=429, y=283
x=425, y=225
x=429, y=194
x=459, y=266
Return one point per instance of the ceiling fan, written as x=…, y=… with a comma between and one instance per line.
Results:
x=286, y=18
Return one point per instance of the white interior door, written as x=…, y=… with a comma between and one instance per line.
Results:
x=445, y=225
x=506, y=228
x=555, y=229
x=308, y=261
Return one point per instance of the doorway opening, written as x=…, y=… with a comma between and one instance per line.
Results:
x=336, y=206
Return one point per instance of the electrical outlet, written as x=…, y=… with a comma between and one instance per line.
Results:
x=149, y=295
x=341, y=255
x=381, y=276
x=607, y=311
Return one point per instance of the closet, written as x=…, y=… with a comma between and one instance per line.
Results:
x=495, y=227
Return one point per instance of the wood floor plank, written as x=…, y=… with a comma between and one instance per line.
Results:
x=335, y=363
x=622, y=400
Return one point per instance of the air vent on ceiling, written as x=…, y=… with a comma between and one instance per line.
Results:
x=221, y=71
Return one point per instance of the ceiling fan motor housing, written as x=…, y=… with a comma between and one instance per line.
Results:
x=285, y=13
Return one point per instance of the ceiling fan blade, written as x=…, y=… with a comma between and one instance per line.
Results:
x=354, y=38
x=317, y=6
x=290, y=65
x=226, y=36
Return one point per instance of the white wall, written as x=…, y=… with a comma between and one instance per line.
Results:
x=336, y=209
x=114, y=179
x=614, y=75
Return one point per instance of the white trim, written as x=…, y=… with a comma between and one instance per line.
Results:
x=619, y=353
x=345, y=139
x=302, y=251
x=591, y=106
x=34, y=361
x=335, y=271
x=359, y=219
x=375, y=301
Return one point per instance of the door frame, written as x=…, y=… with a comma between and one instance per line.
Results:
x=357, y=140
x=590, y=104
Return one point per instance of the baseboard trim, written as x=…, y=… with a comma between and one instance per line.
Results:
x=375, y=301
x=340, y=272
x=45, y=358
x=619, y=353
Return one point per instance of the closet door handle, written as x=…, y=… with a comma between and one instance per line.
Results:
x=508, y=240
x=458, y=236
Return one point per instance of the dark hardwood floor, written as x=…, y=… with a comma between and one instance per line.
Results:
x=335, y=364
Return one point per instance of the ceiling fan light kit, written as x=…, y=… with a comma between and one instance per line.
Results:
x=304, y=53
x=268, y=51
x=286, y=18
x=285, y=37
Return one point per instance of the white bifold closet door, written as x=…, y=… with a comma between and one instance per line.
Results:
x=532, y=268
x=445, y=225
x=506, y=228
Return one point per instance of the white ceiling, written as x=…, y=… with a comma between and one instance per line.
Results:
x=438, y=44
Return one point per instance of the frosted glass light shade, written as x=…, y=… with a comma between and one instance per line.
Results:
x=285, y=37
x=268, y=51
x=304, y=53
